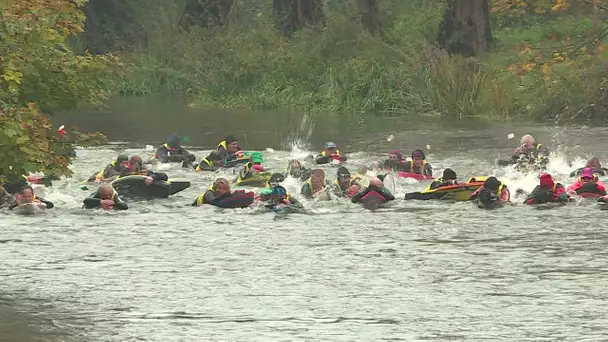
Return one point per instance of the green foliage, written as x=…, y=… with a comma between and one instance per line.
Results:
x=38, y=69
x=340, y=67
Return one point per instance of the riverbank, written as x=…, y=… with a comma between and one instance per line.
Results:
x=537, y=69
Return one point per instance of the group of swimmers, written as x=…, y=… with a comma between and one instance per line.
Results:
x=228, y=154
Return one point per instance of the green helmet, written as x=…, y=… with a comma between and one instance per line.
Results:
x=256, y=157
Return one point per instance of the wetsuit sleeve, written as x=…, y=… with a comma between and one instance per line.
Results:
x=222, y=152
x=119, y=204
x=233, y=161
x=305, y=174
x=386, y=194
x=111, y=171
x=209, y=197
x=205, y=167
x=306, y=191
x=322, y=159
x=407, y=166
x=476, y=194
x=162, y=154
x=532, y=197
x=295, y=202
x=428, y=169
x=186, y=155
x=343, y=158
x=560, y=194
x=436, y=184
x=91, y=203
x=158, y=176
x=359, y=195
x=49, y=205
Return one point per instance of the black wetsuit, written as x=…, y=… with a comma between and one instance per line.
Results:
x=164, y=155
x=94, y=202
x=339, y=191
x=306, y=190
x=210, y=197
x=395, y=166
x=301, y=173
x=538, y=156
x=295, y=204
x=111, y=170
x=425, y=169
x=384, y=192
x=207, y=165
x=180, y=155
x=326, y=158
x=156, y=176
x=438, y=183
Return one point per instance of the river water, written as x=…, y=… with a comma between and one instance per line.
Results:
x=165, y=271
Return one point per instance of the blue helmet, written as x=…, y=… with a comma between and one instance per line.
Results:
x=331, y=144
x=279, y=191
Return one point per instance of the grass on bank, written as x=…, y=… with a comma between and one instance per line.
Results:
x=341, y=68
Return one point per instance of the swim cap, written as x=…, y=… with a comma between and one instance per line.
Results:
x=449, y=174
x=594, y=163
x=587, y=173
x=214, y=156
x=376, y=182
x=397, y=153
x=135, y=159
x=343, y=172
x=317, y=172
x=256, y=157
x=220, y=181
x=122, y=158
x=331, y=144
x=546, y=181
x=527, y=139
x=418, y=154
x=294, y=163
x=173, y=141
x=491, y=183
x=279, y=191
x=266, y=192
x=276, y=178
x=230, y=139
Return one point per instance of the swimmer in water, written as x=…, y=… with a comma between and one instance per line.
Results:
x=26, y=196
x=375, y=184
x=105, y=198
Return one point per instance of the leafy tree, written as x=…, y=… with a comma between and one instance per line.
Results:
x=39, y=72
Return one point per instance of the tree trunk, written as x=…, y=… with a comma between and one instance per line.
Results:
x=369, y=14
x=292, y=15
x=207, y=13
x=111, y=25
x=465, y=29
